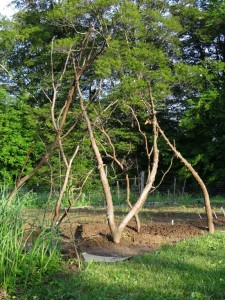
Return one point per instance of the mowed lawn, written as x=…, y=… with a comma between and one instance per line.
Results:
x=191, y=269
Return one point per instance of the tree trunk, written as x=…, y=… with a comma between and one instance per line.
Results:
x=137, y=220
x=143, y=196
x=116, y=232
x=105, y=184
x=197, y=177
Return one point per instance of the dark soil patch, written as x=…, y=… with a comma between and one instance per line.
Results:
x=94, y=238
x=86, y=231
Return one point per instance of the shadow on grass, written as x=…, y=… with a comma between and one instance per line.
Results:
x=193, y=269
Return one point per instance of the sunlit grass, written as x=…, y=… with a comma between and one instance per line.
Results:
x=192, y=269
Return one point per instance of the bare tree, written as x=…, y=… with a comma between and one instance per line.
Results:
x=58, y=126
x=196, y=176
x=186, y=164
x=84, y=61
x=122, y=166
x=116, y=230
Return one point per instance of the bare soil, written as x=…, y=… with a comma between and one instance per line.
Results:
x=87, y=231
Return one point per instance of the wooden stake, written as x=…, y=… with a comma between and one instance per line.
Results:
x=199, y=216
x=223, y=211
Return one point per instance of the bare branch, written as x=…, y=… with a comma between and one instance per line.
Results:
x=75, y=199
x=8, y=72
x=208, y=208
x=63, y=189
x=63, y=153
x=148, y=152
x=164, y=174
x=49, y=99
x=52, y=64
x=26, y=159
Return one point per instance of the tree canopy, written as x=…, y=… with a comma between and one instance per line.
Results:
x=119, y=48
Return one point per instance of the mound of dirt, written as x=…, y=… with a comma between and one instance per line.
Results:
x=95, y=238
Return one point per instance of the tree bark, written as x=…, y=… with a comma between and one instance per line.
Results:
x=116, y=231
x=198, y=179
x=105, y=184
x=137, y=220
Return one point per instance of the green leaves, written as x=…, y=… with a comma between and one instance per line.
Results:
x=17, y=131
x=178, y=46
x=128, y=15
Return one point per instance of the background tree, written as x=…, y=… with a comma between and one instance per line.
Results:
x=18, y=129
x=203, y=48
x=112, y=50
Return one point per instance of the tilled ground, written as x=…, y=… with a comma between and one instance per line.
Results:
x=95, y=237
x=86, y=231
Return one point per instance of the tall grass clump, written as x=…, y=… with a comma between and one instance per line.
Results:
x=27, y=255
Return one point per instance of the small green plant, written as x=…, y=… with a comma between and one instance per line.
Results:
x=83, y=201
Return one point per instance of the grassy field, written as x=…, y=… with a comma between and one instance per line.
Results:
x=192, y=269
x=40, y=199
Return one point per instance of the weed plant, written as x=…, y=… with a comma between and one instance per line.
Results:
x=27, y=256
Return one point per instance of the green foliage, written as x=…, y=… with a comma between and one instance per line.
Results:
x=18, y=129
x=178, y=46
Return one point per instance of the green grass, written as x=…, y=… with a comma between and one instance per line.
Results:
x=218, y=201
x=192, y=269
x=26, y=257
x=95, y=198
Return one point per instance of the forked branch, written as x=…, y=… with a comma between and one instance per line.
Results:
x=123, y=168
